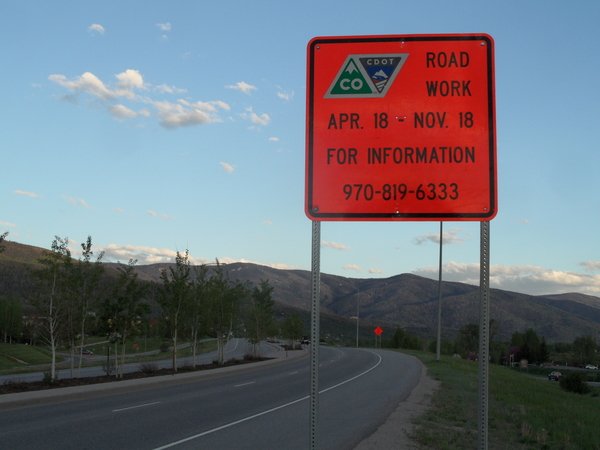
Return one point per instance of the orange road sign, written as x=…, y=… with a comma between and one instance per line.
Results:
x=401, y=128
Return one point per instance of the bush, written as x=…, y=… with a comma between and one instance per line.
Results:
x=164, y=347
x=148, y=368
x=574, y=382
x=48, y=378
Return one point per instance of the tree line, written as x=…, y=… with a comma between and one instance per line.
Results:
x=73, y=298
x=526, y=345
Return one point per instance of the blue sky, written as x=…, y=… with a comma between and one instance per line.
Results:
x=160, y=126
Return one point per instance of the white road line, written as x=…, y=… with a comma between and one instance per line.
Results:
x=135, y=407
x=244, y=384
x=268, y=411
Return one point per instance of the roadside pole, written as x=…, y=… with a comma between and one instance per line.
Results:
x=314, y=334
x=438, y=347
x=484, y=335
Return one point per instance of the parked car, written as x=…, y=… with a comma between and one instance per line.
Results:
x=591, y=367
x=87, y=352
x=554, y=375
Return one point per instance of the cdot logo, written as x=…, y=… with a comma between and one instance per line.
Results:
x=366, y=76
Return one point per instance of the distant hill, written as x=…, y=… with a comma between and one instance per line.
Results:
x=407, y=301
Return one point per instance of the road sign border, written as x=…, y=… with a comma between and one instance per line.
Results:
x=340, y=216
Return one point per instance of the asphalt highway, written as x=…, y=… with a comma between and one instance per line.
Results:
x=256, y=407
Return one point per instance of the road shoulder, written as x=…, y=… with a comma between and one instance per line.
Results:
x=396, y=431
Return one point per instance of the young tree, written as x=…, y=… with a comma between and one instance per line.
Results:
x=50, y=302
x=293, y=329
x=584, y=348
x=124, y=310
x=467, y=341
x=86, y=278
x=224, y=299
x=175, y=296
x=259, y=323
x=11, y=319
x=529, y=345
x=196, y=308
x=2, y=239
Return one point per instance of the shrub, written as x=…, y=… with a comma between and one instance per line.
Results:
x=48, y=378
x=164, y=347
x=574, y=382
x=148, y=368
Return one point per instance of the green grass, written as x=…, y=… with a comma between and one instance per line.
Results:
x=525, y=412
x=19, y=358
x=19, y=355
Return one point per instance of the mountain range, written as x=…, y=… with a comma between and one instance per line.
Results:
x=406, y=301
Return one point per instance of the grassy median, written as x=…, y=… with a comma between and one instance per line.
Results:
x=525, y=411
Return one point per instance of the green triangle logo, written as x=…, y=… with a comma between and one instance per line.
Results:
x=350, y=81
x=366, y=75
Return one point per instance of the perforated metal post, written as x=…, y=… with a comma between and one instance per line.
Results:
x=438, y=347
x=315, y=334
x=484, y=335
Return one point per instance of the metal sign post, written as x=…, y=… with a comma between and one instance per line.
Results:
x=438, y=347
x=484, y=335
x=314, y=333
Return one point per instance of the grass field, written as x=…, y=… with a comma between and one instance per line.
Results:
x=19, y=356
x=525, y=412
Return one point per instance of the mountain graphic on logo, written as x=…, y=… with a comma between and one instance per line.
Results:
x=380, y=79
x=366, y=76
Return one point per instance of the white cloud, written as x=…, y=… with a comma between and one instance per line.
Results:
x=7, y=224
x=334, y=245
x=118, y=98
x=76, y=201
x=96, y=28
x=166, y=89
x=375, y=271
x=87, y=83
x=162, y=216
x=533, y=280
x=185, y=113
x=227, y=167
x=143, y=254
x=273, y=139
x=352, y=267
x=448, y=237
x=242, y=86
x=165, y=27
x=130, y=79
x=285, y=95
x=26, y=193
x=122, y=112
x=260, y=120
x=591, y=265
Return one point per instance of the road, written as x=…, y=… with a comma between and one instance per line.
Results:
x=261, y=407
